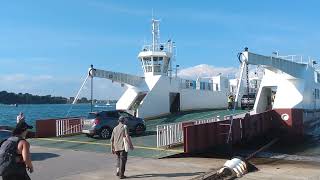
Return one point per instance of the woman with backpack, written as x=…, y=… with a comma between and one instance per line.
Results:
x=15, y=157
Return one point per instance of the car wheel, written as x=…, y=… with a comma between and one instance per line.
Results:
x=139, y=129
x=105, y=133
x=89, y=135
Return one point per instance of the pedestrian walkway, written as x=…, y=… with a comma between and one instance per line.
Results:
x=66, y=164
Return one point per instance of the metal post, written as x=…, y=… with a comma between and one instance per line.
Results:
x=91, y=92
x=177, y=70
x=91, y=74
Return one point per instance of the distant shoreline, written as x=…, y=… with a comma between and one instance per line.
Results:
x=10, y=98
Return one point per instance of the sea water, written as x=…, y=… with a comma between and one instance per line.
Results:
x=33, y=112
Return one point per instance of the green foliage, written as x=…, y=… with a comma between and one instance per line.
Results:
x=12, y=98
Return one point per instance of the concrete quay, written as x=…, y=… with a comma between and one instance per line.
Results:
x=66, y=164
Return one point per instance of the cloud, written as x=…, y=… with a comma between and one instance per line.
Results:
x=204, y=70
x=18, y=78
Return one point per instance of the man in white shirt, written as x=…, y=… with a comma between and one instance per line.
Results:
x=20, y=117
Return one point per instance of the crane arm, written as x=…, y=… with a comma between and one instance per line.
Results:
x=116, y=76
x=274, y=63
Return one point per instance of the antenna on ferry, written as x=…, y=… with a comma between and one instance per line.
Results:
x=155, y=34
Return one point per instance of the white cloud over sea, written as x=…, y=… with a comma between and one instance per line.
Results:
x=205, y=70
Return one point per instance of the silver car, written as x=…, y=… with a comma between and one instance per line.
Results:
x=102, y=123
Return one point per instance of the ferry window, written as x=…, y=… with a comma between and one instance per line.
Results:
x=157, y=64
x=316, y=93
x=202, y=85
x=147, y=60
x=147, y=64
x=148, y=68
x=157, y=68
x=155, y=58
x=194, y=84
x=187, y=83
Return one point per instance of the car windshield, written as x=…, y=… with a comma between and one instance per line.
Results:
x=124, y=114
x=92, y=116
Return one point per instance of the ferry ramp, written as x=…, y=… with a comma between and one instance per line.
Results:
x=145, y=145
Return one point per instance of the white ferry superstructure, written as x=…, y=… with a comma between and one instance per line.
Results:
x=160, y=92
x=289, y=90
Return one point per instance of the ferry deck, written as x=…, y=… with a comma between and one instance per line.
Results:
x=145, y=146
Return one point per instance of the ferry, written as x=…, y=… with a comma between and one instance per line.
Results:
x=160, y=91
x=289, y=90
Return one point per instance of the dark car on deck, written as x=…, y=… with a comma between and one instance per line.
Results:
x=247, y=101
x=102, y=123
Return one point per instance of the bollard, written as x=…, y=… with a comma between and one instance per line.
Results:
x=236, y=167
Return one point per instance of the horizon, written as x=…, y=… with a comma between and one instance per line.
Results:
x=47, y=47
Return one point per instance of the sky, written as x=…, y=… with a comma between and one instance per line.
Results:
x=46, y=47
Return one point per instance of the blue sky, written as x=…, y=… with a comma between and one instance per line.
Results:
x=47, y=46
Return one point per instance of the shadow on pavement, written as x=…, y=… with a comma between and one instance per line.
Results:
x=42, y=156
x=165, y=175
x=147, y=133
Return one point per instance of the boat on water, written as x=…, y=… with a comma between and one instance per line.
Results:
x=107, y=105
x=13, y=105
x=160, y=91
x=289, y=90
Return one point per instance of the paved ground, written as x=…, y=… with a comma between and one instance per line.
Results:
x=285, y=170
x=63, y=164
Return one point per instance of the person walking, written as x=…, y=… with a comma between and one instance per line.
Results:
x=119, y=135
x=21, y=158
x=20, y=117
x=230, y=101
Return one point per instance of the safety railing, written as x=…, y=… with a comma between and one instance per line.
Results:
x=66, y=127
x=169, y=134
x=172, y=134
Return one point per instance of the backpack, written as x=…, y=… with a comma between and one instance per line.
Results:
x=8, y=154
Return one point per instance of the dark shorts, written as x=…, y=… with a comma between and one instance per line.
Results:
x=20, y=174
x=23, y=176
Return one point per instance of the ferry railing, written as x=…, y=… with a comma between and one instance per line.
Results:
x=66, y=127
x=292, y=58
x=172, y=134
x=204, y=121
x=166, y=47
